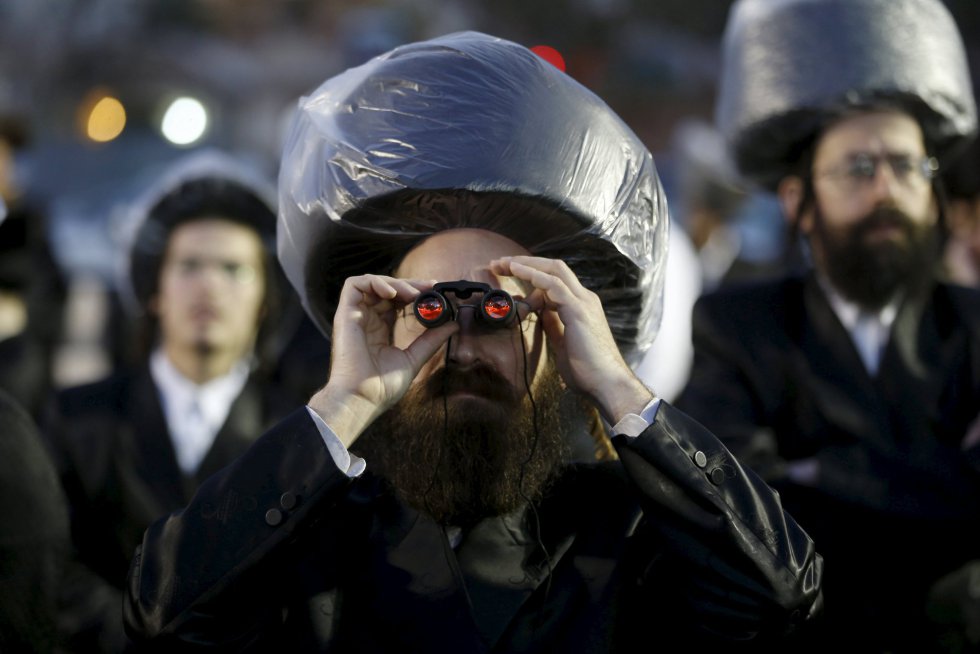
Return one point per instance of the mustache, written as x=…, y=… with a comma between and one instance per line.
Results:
x=480, y=379
x=885, y=217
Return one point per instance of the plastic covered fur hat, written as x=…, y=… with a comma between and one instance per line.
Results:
x=789, y=66
x=468, y=130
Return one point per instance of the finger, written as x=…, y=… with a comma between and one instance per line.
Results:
x=428, y=343
x=409, y=289
x=369, y=290
x=556, y=291
x=554, y=267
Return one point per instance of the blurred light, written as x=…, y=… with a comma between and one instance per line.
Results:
x=550, y=55
x=106, y=118
x=185, y=121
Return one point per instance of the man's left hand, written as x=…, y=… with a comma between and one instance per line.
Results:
x=586, y=353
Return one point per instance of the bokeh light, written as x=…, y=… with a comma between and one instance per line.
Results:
x=184, y=121
x=104, y=117
x=550, y=55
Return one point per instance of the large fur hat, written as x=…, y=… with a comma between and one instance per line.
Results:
x=791, y=65
x=468, y=130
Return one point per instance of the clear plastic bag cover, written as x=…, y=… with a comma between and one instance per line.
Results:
x=789, y=64
x=468, y=130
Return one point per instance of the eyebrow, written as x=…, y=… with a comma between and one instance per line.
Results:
x=888, y=152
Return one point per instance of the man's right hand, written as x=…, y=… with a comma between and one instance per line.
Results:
x=368, y=374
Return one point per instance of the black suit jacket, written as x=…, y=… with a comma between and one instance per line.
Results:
x=777, y=378
x=120, y=473
x=33, y=535
x=281, y=552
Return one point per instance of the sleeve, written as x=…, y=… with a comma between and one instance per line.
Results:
x=352, y=466
x=197, y=572
x=749, y=572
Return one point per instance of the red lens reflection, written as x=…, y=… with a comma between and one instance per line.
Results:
x=430, y=309
x=497, y=308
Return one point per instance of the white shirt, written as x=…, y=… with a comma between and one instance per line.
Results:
x=194, y=412
x=870, y=331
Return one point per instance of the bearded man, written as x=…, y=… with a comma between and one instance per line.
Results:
x=483, y=236
x=852, y=387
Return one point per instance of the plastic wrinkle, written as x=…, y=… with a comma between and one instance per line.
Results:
x=468, y=130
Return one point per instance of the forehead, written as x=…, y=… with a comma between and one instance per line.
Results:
x=214, y=236
x=872, y=132
x=459, y=254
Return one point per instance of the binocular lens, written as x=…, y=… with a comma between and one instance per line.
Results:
x=497, y=308
x=430, y=309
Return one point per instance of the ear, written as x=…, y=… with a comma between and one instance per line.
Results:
x=790, y=193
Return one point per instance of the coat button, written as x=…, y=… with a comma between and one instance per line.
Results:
x=288, y=501
x=717, y=476
x=700, y=459
x=273, y=517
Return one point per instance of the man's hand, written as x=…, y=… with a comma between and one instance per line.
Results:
x=586, y=353
x=367, y=373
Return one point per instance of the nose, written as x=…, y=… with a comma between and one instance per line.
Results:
x=210, y=276
x=466, y=345
x=885, y=184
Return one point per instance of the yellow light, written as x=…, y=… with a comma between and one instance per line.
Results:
x=106, y=120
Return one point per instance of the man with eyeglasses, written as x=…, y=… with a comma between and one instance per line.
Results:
x=478, y=259
x=135, y=446
x=853, y=386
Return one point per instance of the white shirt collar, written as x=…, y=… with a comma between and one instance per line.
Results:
x=192, y=433
x=869, y=330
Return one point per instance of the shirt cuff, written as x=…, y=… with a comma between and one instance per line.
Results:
x=350, y=465
x=633, y=425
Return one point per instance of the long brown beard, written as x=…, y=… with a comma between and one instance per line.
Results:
x=871, y=275
x=467, y=459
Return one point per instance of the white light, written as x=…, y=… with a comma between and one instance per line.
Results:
x=184, y=121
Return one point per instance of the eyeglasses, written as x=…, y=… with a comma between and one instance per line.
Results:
x=861, y=169
x=233, y=271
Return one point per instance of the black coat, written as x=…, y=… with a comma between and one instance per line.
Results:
x=33, y=535
x=120, y=473
x=897, y=502
x=282, y=552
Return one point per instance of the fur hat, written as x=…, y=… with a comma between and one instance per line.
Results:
x=790, y=66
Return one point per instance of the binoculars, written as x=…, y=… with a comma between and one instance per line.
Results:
x=496, y=309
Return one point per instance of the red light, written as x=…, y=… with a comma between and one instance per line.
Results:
x=429, y=309
x=550, y=55
x=497, y=308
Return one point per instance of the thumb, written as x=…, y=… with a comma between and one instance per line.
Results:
x=428, y=343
